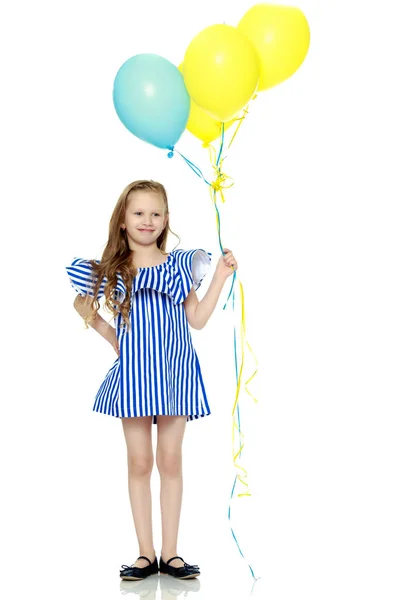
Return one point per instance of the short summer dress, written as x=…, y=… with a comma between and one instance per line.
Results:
x=157, y=371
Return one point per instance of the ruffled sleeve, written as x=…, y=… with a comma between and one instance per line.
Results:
x=200, y=264
x=193, y=266
x=81, y=277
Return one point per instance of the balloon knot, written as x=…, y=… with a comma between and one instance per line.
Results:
x=218, y=181
x=171, y=153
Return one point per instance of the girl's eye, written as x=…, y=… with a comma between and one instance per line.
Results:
x=139, y=213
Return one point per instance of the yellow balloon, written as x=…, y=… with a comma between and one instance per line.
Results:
x=281, y=36
x=221, y=71
x=201, y=124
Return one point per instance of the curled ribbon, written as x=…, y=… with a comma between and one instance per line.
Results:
x=217, y=186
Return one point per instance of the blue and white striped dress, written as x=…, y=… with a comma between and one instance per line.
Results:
x=157, y=372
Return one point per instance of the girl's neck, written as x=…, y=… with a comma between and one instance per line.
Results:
x=149, y=259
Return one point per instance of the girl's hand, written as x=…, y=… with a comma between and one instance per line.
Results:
x=111, y=337
x=224, y=266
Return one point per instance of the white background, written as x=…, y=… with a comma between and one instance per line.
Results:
x=313, y=221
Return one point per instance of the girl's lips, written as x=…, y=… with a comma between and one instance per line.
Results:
x=149, y=230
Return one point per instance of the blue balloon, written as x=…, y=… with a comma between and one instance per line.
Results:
x=151, y=99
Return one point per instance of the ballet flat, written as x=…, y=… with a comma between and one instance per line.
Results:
x=185, y=572
x=132, y=573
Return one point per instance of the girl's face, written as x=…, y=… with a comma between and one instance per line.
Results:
x=144, y=218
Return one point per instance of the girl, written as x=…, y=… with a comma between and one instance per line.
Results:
x=156, y=378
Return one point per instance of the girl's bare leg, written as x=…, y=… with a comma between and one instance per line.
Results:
x=170, y=432
x=137, y=431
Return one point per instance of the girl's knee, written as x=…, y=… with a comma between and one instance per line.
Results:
x=169, y=463
x=140, y=465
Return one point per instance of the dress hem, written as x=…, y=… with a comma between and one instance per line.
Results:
x=189, y=417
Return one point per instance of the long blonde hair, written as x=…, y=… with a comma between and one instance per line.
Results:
x=117, y=256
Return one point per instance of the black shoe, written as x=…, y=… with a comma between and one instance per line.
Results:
x=185, y=572
x=132, y=573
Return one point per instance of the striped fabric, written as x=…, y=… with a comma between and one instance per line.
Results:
x=157, y=372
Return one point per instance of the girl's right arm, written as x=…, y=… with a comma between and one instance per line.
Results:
x=107, y=331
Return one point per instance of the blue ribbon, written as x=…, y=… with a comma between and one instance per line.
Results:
x=199, y=173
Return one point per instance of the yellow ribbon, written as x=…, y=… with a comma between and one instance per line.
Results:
x=217, y=186
x=234, y=423
x=241, y=119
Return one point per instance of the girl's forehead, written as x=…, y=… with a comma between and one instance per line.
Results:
x=145, y=199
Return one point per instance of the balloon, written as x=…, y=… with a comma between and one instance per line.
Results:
x=201, y=124
x=151, y=99
x=281, y=36
x=221, y=71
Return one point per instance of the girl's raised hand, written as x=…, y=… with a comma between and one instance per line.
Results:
x=224, y=266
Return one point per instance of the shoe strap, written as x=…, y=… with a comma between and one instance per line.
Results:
x=173, y=558
x=145, y=558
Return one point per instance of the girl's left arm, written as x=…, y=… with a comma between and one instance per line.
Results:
x=197, y=312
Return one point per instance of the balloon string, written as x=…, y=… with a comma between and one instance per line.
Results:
x=243, y=338
x=241, y=119
x=233, y=533
x=194, y=167
x=235, y=426
x=217, y=186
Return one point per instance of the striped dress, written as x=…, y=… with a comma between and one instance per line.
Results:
x=157, y=371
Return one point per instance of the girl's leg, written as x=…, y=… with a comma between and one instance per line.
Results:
x=170, y=432
x=137, y=431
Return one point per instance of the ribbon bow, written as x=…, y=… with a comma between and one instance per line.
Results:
x=217, y=185
x=127, y=567
x=196, y=567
